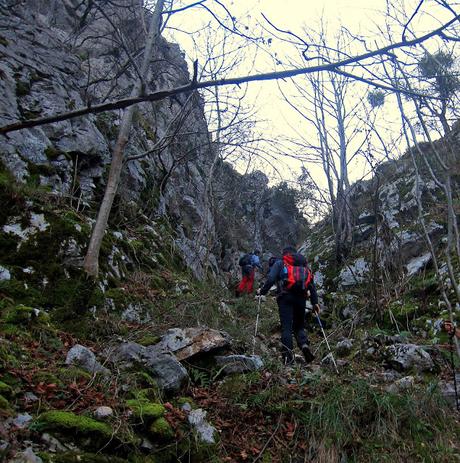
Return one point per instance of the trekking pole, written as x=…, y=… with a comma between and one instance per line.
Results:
x=452, y=364
x=327, y=342
x=257, y=325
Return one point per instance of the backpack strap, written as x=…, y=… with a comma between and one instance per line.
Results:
x=309, y=278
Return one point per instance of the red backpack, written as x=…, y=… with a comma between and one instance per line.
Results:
x=296, y=276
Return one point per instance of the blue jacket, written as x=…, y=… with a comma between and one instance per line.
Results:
x=274, y=277
x=255, y=261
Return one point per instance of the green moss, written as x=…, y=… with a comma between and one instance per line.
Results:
x=185, y=400
x=19, y=315
x=145, y=410
x=59, y=420
x=8, y=355
x=35, y=170
x=73, y=374
x=52, y=153
x=5, y=389
x=22, y=88
x=19, y=291
x=161, y=428
x=148, y=340
x=105, y=122
x=47, y=377
x=4, y=404
x=118, y=295
x=79, y=457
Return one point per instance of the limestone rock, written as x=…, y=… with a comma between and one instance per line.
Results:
x=163, y=366
x=403, y=357
x=448, y=390
x=401, y=385
x=205, y=432
x=22, y=420
x=354, y=274
x=27, y=456
x=102, y=413
x=186, y=343
x=53, y=444
x=5, y=274
x=239, y=363
x=418, y=263
x=134, y=314
x=166, y=370
x=82, y=357
x=344, y=347
x=127, y=353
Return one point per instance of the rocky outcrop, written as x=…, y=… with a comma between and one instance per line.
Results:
x=404, y=357
x=185, y=343
x=58, y=56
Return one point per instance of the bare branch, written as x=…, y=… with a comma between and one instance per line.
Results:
x=162, y=94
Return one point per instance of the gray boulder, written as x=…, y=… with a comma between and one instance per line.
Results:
x=448, y=390
x=27, y=456
x=127, y=354
x=164, y=367
x=401, y=385
x=82, y=357
x=5, y=274
x=344, y=347
x=239, y=363
x=204, y=431
x=403, y=357
x=168, y=372
x=185, y=343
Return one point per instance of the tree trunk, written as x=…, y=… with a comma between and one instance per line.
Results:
x=91, y=262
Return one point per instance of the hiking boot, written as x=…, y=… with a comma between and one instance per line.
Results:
x=307, y=353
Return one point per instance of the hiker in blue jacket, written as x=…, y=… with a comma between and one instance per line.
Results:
x=294, y=281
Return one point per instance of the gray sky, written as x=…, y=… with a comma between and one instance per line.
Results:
x=361, y=17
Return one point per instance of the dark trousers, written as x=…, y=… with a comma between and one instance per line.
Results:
x=292, y=317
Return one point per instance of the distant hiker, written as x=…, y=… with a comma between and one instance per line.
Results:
x=271, y=262
x=294, y=281
x=248, y=264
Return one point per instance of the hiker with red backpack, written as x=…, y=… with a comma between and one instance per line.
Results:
x=248, y=264
x=294, y=281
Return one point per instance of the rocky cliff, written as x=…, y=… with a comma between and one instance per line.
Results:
x=57, y=56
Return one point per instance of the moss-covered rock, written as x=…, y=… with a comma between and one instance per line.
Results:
x=4, y=404
x=146, y=410
x=162, y=429
x=5, y=390
x=148, y=340
x=67, y=421
x=185, y=400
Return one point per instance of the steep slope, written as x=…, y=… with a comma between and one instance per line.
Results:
x=150, y=363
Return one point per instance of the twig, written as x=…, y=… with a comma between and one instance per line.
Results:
x=269, y=440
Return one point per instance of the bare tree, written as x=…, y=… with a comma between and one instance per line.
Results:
x=91, y=262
